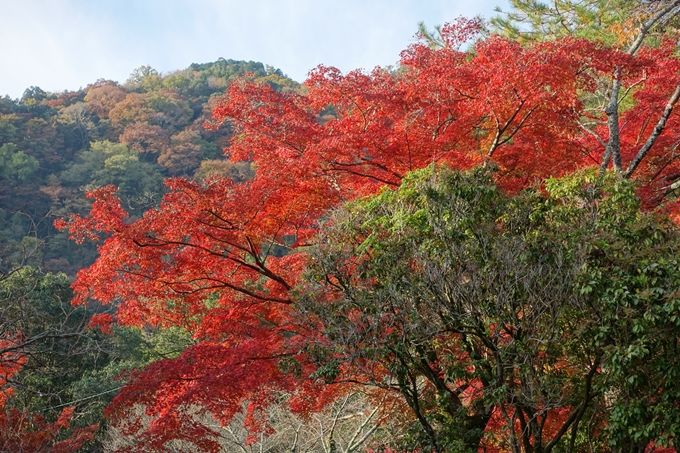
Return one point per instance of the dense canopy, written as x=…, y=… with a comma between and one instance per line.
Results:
x=223, y=258
x=481, y=240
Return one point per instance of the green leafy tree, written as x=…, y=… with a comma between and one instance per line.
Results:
x=526, y=323
x=8, y=131
x=170, y=110
x=144, y=78
x=33, y=95
x=66, y=361
x=114, y=163
x=45, y=347
x=613, y=22
x=16, y=165
x=77, y=121
x=39, y=138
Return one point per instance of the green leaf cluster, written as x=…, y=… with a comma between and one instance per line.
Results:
x=559, y=300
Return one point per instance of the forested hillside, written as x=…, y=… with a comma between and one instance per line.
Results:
x=474, y=252
x=54, y=146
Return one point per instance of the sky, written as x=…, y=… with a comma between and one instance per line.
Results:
x=62, y=45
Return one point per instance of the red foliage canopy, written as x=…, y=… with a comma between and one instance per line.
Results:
x=221, y=257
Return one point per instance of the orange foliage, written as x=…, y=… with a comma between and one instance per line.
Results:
x=102, y=98
x=145, y=138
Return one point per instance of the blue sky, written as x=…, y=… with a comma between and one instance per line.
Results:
x=66, y=44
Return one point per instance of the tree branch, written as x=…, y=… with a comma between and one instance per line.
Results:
x=658, y=129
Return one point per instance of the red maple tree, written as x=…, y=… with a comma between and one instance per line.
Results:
x=221, y=257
